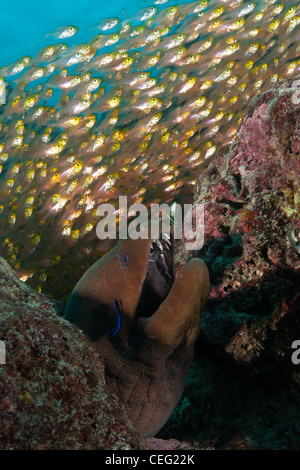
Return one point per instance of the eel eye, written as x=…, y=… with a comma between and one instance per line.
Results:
x=124, y=259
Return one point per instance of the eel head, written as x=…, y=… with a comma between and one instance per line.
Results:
x=144, y=322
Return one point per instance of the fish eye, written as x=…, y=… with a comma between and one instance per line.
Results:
x=290, y=10
x=124, y=258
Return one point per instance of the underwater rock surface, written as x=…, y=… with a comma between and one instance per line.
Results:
x=52, y=387
x=251, y=194
x=243, y=391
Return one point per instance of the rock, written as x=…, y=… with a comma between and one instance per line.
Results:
x=251, y=194
x=169, y=444
x=52, y=387
x=243, y=388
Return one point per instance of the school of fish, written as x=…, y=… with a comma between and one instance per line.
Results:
x=135, y=111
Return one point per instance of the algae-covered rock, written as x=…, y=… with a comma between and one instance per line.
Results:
x=243, y=388
x=251, y=193
x=52, y=387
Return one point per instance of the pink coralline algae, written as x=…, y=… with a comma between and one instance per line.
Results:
x=243, y=388
x=52, y=387
x=170, y=444
x=251, y=194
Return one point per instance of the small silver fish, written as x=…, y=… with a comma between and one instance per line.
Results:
x=63, y=32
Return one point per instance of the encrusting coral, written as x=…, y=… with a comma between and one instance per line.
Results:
x=244, y=384
x=52, y=387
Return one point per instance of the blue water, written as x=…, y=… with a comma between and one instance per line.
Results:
x=25, y=23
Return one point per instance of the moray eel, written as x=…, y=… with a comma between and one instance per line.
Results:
x=144, y=322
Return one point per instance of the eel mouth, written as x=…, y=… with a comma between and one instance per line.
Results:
x=159, y=277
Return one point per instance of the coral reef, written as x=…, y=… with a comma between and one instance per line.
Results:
x=251, y=193
x=169, y=444
x=244, y=387
x=52, y=388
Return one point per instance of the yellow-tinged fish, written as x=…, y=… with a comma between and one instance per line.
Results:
x=15, y=68
x=133, y=112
